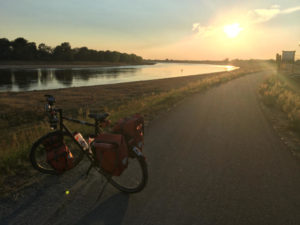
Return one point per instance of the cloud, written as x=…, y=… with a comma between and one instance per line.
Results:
x=204, y=31
x=195, y=26
x=264, y=15
x=255, y=16
x=291, y=10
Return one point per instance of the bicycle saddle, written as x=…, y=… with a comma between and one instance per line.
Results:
x=99, y=116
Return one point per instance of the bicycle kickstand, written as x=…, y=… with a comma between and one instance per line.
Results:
x=89, y=169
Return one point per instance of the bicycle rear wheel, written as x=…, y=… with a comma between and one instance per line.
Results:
x=134, y=178
x=38, y=154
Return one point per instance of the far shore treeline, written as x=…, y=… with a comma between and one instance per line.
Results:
x=22, y=49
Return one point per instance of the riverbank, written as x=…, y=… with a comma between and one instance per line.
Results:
x=62, y=64
x=22, y=119
x=94, y=98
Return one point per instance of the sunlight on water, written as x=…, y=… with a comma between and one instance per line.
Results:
x=43, y=79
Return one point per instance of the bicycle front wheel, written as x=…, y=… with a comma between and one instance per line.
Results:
x=38, y=154
x=134, y=177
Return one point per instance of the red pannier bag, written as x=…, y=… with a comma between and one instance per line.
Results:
x=111, y=152
x=58, y=154
x=132, y=128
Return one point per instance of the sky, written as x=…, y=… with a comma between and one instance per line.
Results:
x=159, y=29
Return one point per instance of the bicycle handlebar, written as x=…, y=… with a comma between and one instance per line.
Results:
x=54, y=120
x=50, y=99
x=51, y=111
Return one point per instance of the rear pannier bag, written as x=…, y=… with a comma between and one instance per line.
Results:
x=111, y=153
x=133, y=130
x=58, y=154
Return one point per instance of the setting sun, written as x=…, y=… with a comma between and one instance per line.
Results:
x=232, y=30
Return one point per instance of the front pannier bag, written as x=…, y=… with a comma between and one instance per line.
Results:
x=111, y=153
x=58, y=154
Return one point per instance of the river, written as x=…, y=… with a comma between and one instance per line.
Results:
x=52, y=78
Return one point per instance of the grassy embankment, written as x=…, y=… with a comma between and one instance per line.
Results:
x=22, y=120
x=280, y=92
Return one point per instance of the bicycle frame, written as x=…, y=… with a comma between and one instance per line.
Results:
x=62, y=127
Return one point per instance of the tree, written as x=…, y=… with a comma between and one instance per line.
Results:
x=93, y=55
x=124, y=57
x=23, y=50
x=5, y=49
x=19, y=46
x=135, y=59
x=30, y=51
x=108, y=56
x=100, y=56
x=44, y=52
x=226, y=60
x=116, y=56
x=63, y=52
x=81, y=53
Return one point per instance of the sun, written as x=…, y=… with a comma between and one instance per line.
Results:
x=232, y=30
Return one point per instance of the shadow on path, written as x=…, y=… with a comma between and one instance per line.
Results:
x=31, y=197
x=110, y=212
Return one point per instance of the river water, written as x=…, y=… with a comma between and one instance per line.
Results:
x=53, y=78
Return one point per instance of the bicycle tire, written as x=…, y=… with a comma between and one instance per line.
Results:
x=38, y=156
x=122, y=182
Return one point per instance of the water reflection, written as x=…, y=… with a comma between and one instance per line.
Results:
x=25, y=79
x=5, y=80
x=45, y=76
x=64, y=76
x=42, y=79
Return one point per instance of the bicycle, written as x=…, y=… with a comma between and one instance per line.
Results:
x=132, y=180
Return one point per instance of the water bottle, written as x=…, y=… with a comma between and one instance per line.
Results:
x=78, y=137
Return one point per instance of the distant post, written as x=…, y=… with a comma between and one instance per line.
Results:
x=278, y=61
x=288, y=59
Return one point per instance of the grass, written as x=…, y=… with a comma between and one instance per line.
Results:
x=19, y=130
x=276, y=91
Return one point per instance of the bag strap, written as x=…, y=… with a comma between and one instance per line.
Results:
x=106, y=142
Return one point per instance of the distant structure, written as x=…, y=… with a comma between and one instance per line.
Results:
x=288, y=56
x=286, y=61
x=278, y=61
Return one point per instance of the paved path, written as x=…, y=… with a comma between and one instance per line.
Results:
x=213, y=160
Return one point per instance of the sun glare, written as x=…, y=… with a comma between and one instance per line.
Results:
x=232, y=30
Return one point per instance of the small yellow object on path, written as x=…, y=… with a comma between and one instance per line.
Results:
x=67, y=192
